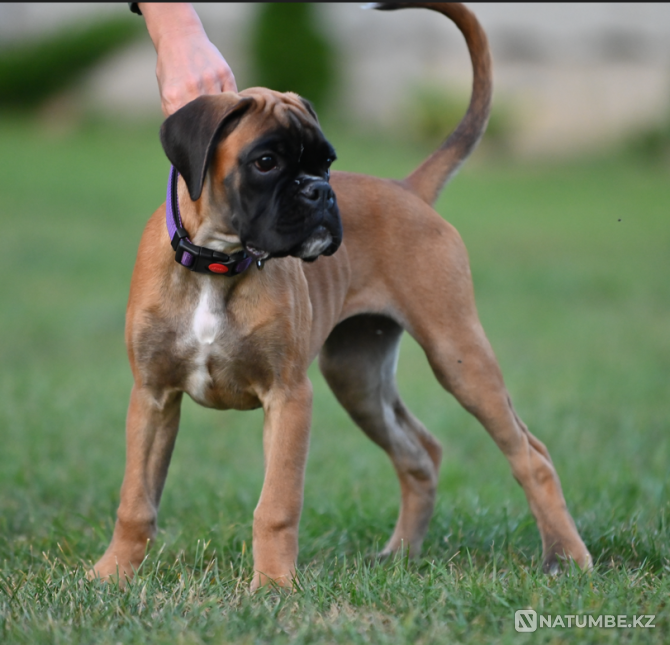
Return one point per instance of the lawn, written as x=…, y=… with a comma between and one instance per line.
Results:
x=571, y=264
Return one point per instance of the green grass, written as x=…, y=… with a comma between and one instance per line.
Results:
x=571, y=265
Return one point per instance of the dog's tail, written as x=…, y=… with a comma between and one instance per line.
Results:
x=432, y=175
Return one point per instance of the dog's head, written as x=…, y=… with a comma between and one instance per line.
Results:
x=264, y=163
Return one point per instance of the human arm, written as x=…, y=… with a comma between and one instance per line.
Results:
x=188, y=65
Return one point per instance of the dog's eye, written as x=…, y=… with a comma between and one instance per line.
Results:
x=266, y=163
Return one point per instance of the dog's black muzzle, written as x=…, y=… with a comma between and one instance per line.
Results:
x=304, y=222
x=325, y=229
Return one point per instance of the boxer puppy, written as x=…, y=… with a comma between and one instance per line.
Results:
x=252, y=189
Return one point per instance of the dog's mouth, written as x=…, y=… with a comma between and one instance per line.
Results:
x=315, y=245
x=319, y=242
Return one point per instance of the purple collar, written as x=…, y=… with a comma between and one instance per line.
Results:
x=198, y=258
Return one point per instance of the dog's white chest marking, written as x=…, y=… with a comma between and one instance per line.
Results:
x=206, y=323
x=205, y=327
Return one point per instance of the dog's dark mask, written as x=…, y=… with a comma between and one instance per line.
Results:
x=278, y=195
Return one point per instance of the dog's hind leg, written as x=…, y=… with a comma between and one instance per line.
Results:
x=468, y=369
x=359, y=361
x=444, y=321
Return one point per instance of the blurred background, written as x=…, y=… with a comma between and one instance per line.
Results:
x=564, y=209
x=570, y=78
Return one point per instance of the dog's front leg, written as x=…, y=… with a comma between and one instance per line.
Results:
x=151, y=430
x=276, y=518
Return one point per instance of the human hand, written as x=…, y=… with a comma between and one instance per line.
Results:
x=188, y=65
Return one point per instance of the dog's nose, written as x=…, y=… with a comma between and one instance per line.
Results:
x=317, y=193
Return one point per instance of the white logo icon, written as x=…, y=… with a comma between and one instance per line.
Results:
x=525, y=620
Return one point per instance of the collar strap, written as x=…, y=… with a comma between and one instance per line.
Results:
x=197, y=258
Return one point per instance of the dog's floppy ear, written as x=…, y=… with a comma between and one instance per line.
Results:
x=191, y=134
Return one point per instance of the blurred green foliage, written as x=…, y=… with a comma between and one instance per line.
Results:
x=434, y=111
x=652, y=144
x=32, y=71
x=289, y=53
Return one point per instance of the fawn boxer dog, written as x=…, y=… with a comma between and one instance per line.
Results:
x=247, y=306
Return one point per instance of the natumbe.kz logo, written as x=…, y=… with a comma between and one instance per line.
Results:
x=528, y=620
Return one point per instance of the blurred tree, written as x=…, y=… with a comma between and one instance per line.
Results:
x=433, y=111
x=651, y=144
x=290, y=53
x=34, y=70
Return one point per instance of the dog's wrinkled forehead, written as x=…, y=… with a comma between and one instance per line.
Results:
x=271, y=113
x=285, y=109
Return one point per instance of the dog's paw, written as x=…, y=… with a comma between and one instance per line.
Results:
x=118, y=576
x=111, y=569
x=558, y=560
x=283, y=582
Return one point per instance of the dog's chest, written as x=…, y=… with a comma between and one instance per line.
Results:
x=210, y=347
x=226, y=348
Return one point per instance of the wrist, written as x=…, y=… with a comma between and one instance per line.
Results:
x=166, y=20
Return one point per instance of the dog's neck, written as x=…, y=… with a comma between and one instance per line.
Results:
x=214, y=233
x=202, y=244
